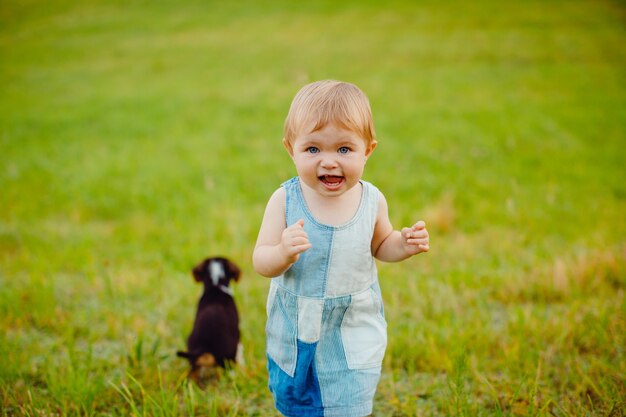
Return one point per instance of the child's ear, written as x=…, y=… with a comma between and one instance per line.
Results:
x=370, y=148
x=288, y=146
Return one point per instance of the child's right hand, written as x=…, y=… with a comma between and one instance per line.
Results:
x=294, y=241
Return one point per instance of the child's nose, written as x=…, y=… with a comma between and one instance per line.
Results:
x=328, y=161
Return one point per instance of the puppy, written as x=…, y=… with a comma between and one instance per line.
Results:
x=214, y=339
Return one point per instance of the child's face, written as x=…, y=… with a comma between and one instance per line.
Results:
x=330, y=160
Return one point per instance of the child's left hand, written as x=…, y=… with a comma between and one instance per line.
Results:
x=415, y=238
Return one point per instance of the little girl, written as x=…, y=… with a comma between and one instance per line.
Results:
x=326, y=331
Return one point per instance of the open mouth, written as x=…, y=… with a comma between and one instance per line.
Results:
x=331, y=181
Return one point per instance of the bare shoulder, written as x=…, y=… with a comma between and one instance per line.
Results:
x=277, y=200
x=382, y=203
x=274, y=221
x=383, y=227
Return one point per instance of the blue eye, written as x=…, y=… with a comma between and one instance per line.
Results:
x=344, y=150
x=312, y=149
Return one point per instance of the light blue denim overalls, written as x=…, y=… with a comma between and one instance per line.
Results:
x=326, y=331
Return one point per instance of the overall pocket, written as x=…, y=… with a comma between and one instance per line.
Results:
x=281, y=330
x=364, y=331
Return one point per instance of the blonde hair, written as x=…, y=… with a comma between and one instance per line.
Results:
x=328, y=101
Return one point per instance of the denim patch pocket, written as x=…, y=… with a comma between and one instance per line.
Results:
x=364, y=331
x=281, y=329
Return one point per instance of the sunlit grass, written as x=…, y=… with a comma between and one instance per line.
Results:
x=137, y=138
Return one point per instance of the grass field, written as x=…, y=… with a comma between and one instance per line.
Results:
x=138, y=137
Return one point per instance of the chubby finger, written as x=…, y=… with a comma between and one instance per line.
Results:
x=418, y=242
x=297, y=247
x=407, y=232
x=296, y=230
x=420, y=234
x=298, y=240
x=420, y=225
x=411, y=233
x=302, y=247
x=295, y=238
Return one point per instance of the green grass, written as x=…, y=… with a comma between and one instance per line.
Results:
x=138, y=137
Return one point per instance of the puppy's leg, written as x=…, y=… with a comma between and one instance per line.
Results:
x=204, y=368
x=206, y=360
x=239, y=356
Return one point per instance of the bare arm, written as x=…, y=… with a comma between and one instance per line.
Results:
x=391, y=245
x=278, y=246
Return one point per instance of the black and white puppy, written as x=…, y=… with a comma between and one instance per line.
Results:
x=214, y=339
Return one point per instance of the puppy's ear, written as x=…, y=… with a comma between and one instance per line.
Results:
x=232, y=270
x=199, y=271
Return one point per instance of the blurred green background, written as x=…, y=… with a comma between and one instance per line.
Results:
x=137, y=138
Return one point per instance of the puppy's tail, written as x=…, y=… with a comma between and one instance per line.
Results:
x=185, y=355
